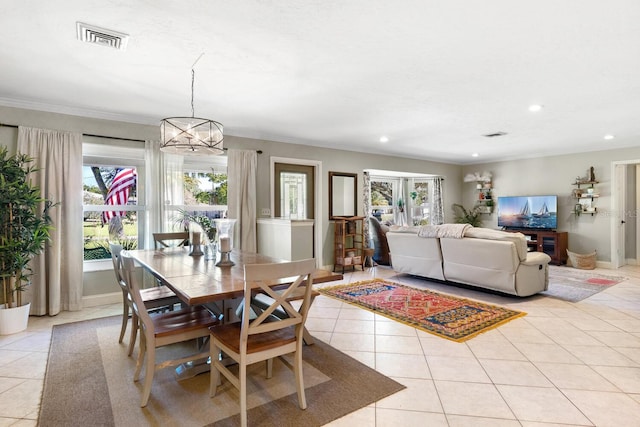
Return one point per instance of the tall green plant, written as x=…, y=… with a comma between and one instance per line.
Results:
x=25, y=224
x=464, y=216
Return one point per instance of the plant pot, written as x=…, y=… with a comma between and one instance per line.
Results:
x=13, y=320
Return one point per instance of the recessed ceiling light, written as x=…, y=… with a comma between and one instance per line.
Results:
x=384, y=139
x=535, y=108
x=475, y=155
x=609, y=136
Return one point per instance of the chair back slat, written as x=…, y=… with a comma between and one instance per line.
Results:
x=131, y=282
x=261, y=277
x=116, y=251
x=171, y=239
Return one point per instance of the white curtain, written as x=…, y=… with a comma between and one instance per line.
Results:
x=163, y=180
x=57, y=281
x=241, y=196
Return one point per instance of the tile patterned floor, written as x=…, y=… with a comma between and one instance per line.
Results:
x=564, y=364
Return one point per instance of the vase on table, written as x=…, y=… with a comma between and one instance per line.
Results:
x=224, y=228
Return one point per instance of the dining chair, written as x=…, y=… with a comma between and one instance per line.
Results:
x=261, y=302
x=171, y=239
x=153, y=298
x=264, y=337
x=162, y=329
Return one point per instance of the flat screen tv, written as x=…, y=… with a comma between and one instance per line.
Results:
x=539, y=212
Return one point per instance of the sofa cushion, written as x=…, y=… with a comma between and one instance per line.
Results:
x=487, y=233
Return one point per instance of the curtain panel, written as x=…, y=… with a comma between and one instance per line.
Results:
x=437, y=207
x=57, y=281
x=164, y=190
x=241, y=196
x=366, y=206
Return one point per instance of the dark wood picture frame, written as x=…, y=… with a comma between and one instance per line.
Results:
x=341, y=204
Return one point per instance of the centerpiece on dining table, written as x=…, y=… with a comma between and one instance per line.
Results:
x=224, y=229
x=202, y=234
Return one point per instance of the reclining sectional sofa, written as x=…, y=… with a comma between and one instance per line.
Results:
x=480, y=257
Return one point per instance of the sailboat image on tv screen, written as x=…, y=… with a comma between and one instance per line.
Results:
x=543, y=212
x=525, y=211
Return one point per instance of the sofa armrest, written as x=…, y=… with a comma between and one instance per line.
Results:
x=536, y=258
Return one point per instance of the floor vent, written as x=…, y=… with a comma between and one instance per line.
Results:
x=101, y=36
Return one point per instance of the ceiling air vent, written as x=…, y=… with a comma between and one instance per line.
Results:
x=102, y=36
x=495, y=134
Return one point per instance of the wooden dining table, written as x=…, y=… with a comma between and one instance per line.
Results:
x=196, y=280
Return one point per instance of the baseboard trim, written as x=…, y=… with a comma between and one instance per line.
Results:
x=102, y=299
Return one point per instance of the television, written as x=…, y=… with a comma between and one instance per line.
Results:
x=538, y=212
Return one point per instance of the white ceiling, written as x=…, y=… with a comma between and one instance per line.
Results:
x=432, y=75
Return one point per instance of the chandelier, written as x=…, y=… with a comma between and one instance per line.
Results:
x=191, y=135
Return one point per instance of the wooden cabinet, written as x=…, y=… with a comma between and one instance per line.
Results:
x=586, y=196
x=552, y=243
x=348, y=242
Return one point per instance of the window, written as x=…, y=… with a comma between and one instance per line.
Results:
x=121, y=217
x=204, y=190
x=419, y=201
x=385, y=194
x=111, y=208
x=401, y=200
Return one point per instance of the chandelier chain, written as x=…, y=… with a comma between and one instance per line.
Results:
x=193, y=77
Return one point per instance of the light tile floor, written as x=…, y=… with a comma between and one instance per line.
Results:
x=564, y=364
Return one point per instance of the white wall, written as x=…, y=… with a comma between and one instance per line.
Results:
x=554, y=175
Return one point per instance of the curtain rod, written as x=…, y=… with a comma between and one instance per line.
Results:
x=107, y=137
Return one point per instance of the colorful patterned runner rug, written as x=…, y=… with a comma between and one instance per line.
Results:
x=446, y=316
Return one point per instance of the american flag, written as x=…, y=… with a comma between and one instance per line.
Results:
x=118, y=194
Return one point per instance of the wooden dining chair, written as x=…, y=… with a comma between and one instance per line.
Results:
x=264, y=337
x=171, y=239
x=161, y=329
x=153, y=298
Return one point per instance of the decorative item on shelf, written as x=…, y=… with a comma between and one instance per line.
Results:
x=225, y=241
x=485, y=176
x=191, y=135
x=586, y=196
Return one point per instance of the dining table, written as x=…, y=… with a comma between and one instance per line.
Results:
x=198, y=281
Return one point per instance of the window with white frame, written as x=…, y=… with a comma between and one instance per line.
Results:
x=401, y=200
x=385, y=194
x=204, y=190
x=113, y=199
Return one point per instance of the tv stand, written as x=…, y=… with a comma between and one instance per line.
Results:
x=552, y=243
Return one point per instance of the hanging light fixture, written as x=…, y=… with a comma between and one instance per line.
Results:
x=191, y=135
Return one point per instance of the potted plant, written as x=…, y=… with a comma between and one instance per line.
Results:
x=464, y=216
x=24, y=229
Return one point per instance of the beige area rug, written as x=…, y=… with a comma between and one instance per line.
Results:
x=89, y=383
x=573, y=285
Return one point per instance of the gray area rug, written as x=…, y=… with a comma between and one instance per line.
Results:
x=574, y=285
x=89, y=382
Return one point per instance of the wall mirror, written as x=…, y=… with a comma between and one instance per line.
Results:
x=343, y=194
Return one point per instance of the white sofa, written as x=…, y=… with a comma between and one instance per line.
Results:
x=480, y=257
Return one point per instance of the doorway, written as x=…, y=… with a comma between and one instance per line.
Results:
x=625, y=221
x=294, y=191
x=293, y=172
